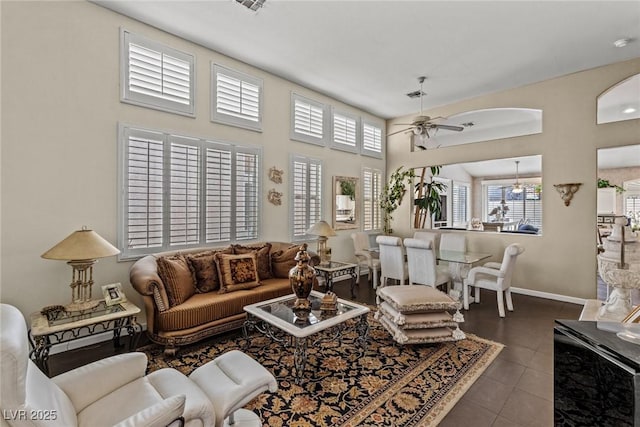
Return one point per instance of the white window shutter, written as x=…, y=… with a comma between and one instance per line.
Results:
x=184, y=193
x=307, y=120
x=371, y=140
x=306, y=189
x=157, y=76
x=247, y=195
x=345, y=132
x=236, y=98
x=372, y=179
x=218, y=195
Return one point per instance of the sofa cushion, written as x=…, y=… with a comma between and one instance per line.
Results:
x=263, y=258
x=237, y=271
x=204, y=269
x=284, y=260
x=201, y=309
x=175, y=274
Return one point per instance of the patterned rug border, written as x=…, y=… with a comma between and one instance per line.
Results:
x=445, y=402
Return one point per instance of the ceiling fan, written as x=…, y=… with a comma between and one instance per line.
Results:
x=422, y=125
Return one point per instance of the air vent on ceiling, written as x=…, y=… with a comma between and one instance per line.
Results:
x=416, y=94
x=252, y=4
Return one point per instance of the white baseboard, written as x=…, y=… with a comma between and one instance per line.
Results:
x=548, y=295
x=90, y=340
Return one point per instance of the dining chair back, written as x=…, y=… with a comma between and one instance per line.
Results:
x=392, y=265
x=453, y=242
x=366, y=258
x=496, y=277
x=421, y=262
x=426, y=235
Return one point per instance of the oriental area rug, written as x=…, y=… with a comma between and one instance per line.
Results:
x=390, y=385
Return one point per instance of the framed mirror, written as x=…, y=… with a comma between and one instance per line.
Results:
x=345, y=214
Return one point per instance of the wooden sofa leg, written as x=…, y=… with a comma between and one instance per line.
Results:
x=170, y=349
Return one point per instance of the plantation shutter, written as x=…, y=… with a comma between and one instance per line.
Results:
x=345, y=131
x=371, y=140
x=460, y=204
x=246, y=201
x=218, y=194
x=143, y=220
x=237, y=98
x=307, y=195
x=184, y=192
x=307, y=120
x=157, y=76
x=371, y=189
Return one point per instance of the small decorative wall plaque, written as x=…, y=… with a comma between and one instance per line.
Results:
x=274, y=197
x=275, y=175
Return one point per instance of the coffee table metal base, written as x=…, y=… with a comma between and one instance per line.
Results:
x=301, y=344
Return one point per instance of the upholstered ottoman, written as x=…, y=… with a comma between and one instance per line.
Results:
x=417, y=314
x=231, y=381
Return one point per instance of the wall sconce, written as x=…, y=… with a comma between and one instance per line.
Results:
x=567, y=191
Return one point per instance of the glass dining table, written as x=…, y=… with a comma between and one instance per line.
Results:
x=459, y=265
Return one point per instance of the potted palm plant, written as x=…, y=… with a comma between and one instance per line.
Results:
x=427, y=200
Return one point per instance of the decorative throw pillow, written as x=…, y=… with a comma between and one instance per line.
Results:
x=263, y=258
x=204, y=270
x=283, y=261
x=237, y=272
x=175, y=274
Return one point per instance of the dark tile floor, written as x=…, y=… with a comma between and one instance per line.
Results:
x=516, y=389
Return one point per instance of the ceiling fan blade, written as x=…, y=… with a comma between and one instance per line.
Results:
x=399, y=131
x=449, y=127
x=403, y=124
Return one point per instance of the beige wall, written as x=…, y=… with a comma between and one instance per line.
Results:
x=562, y=260
x=61, y=105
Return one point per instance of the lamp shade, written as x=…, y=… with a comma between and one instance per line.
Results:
x=81, y=245
x=321, y=228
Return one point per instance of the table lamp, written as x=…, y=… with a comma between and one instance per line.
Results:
x=81, y=249
x=323, y=231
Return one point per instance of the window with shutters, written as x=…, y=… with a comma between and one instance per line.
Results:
x=631, y=197
x=372, y=187
x=525, y=207
x=307, y=120
x=371, y=139
x=156, y=76
x=236, y=98
x=180, y=192
x=345, y=132
x=460, y=204
x=306, y=195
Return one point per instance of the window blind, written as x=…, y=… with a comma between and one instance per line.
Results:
x=525, y=206
x=371, y=139
x=237, y=98
x=183, y=192
x=306, y=183
x=460, y=204
x=156, y=75
x=372, y=179
x=344, y=131
x=307, y=118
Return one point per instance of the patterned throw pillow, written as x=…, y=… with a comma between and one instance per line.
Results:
x=263, y=258
x=204, y=270
x=175, y=274
x=237, y=272
x=283, y=261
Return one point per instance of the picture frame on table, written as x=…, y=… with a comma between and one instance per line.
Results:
x=113, y=294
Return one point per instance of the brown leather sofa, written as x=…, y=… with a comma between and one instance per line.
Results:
x=202, y=314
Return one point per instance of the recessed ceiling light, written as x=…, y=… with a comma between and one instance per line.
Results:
x=629, y=110
x=622, y=42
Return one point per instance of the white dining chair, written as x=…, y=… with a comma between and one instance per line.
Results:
x=392, y=265
x=426, y=235
x=453, y=242
x=366, y=257
x=494, y=276
x=421, y=262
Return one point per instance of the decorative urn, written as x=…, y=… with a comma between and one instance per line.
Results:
x=302, y=277
x=619, y=267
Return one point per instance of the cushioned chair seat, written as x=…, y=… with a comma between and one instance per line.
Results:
x=204, y=308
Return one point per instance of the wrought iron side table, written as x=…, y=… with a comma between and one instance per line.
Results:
x=336, y=269
x=57, y=327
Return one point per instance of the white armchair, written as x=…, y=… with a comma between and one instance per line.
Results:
x=421, y=262
x=426, y=236
x=392, y=265
x=116, y=391
x=366, y=257
x=494, y=276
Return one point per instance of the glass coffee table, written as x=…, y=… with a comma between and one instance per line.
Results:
x=276, y=319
